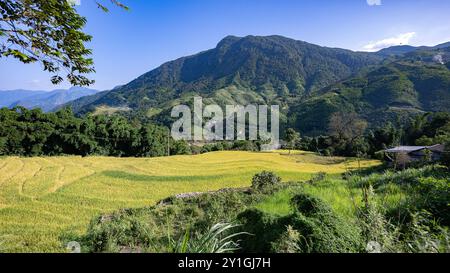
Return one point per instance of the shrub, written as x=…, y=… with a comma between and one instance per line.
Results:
x=315, y=228
x=180, y=147
x=426, y=188
x=424, y=235
x=289, y=241
x=265, y=229
x=375, y=227
x=322, y=230
x=151, y=229
x=125, y=228
x=318, y=177
x=433, y=195
x=309, y=205
x=265, y=181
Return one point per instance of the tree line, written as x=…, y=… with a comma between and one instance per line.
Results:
x=348, y=135
x=26, y=132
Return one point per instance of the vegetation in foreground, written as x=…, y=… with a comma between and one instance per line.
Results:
x=404, y=211
x=42, y=198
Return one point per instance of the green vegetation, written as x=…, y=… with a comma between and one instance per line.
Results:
x=252, y=69
x=212, y=241
x=311, y=84
x=392, y=92
x=404, y=211
x=347, y=137
x=33, y=133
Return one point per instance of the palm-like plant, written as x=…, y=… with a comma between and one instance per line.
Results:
x=216, y=240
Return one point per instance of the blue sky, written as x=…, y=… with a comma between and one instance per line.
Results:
x=128, y=44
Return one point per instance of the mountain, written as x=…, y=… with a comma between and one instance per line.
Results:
x=404, y=49
x=262, y=68
x=42, y=99
x=9, y=97
x=416, y=83
x=396, y=50
x=308, y=81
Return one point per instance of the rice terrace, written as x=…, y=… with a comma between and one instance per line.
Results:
x=43, y=197
x=230, y=127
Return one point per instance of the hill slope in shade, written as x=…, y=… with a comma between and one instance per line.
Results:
x=413, y=84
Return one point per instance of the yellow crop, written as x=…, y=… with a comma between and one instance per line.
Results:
x=42, y=198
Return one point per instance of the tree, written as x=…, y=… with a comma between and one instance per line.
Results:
x=347, y=125
x=48, y=32
x=292, y=137
x=265, y=181
x=384, y=137
x=32, y=132
x=348, y=128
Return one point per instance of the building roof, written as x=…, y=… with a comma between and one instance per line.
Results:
x=409, y=149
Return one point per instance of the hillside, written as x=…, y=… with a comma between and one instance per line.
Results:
x=47, y=101
x=264, y=68
x=309, y=82
x=8, y=97
x=405, y=49
x=417, y=82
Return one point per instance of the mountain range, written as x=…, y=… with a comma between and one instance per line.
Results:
x=46, y=100
x=308, y=81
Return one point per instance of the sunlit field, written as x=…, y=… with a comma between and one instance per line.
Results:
x=44, y=198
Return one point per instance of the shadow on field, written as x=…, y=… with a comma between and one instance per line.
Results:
x=150, y=178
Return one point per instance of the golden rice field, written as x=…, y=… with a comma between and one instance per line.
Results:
x=44, y=197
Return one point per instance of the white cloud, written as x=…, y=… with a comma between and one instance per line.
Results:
x=374, y=2
x=401, y=39
x=35, y=83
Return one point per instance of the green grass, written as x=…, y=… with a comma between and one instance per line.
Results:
x=336, y=192
x=277, y=204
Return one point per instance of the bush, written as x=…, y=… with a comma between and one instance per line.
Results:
x=125, y=228
x=424, y=235
x=376, y=229
x=426, y=188
x=265, y=229
x=318, y=177
x=314, y=228
x=153, y=229
x=289, y=241
x=180, y=147
x=265, y=181
x=322, y=230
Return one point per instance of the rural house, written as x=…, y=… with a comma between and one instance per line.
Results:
x=403, y=155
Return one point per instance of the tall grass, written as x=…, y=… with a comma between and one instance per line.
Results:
x=218, y=239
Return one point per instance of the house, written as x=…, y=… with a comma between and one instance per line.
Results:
x=404, y=155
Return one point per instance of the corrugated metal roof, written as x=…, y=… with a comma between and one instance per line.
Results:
x=406, y=149
x=409, y=149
